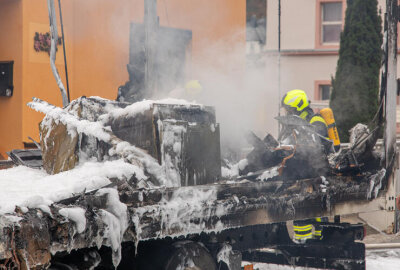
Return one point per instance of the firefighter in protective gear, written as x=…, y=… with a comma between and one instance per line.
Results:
x=296, y=102
x=303, y=229
x=193, y=88
x=192, y=91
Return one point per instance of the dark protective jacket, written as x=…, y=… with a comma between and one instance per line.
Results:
x=303, y=228
x=316, y=120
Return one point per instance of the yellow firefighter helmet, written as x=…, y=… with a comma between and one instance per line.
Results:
x=193, y=87
x=295, y=100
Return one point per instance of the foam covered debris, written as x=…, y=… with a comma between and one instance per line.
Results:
x=32, y=188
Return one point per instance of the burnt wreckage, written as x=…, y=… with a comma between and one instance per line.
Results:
x=180, y=207
x=175, y=211
x=303, y=153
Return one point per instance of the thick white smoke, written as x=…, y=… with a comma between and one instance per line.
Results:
x=244, y=91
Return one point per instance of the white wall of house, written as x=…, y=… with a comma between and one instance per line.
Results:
x=302, y=71
x=297, y=24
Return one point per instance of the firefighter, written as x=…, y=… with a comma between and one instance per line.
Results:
x=192, y=91
x=193, y=88
x=296, y=102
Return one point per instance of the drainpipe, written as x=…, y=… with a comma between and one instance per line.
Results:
x=53, y=48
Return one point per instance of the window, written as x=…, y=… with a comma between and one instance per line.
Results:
x=398, y=29
x=322, y=90
x=325, y=92
x=331, y=22
x=256, y=21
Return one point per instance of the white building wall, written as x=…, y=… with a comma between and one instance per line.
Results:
x=302, y=71
x=297, y=24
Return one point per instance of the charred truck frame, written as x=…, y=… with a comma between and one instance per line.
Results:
x=184, y=214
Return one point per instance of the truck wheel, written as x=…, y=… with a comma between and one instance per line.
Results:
x=60, y=266
x=187, y=255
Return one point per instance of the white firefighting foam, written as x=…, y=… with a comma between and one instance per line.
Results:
x=31, y=188
x=375, y=260
x=27, y=187
x=179, y=210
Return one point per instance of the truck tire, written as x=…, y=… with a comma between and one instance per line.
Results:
x=188, y=255
x=60, y=266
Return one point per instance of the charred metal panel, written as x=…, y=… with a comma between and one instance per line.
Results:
x=202, y=156
x=167, y=69
x=192, y=114
x=137, y=61
x=194, y=152
x=249, y=237
x=139, y=131
x=27, y=157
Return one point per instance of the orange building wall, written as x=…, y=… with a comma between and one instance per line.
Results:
x=38, y=79
x=97, y=39
x=102, y=41
x=11, y=49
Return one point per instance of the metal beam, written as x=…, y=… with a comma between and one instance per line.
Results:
x=151, y=32
x=53, y=50
x=391, y=92
x=391, y=83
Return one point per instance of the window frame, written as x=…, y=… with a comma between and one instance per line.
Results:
x=317, y=92
x=318, y=25
x=398, y=30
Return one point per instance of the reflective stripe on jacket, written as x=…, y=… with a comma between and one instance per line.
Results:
x=316, y=121
x=320, y=125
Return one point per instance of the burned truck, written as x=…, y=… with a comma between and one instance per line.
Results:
x=151, y=196
x=139, y=186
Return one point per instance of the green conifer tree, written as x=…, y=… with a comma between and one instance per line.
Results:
x=354, y=97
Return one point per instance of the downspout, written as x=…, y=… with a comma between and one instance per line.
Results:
x=53, y=48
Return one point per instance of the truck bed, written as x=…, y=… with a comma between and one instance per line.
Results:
x=31, y=237
x=168, y=192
